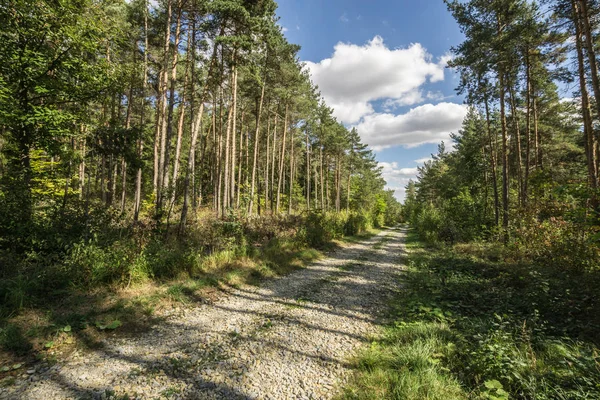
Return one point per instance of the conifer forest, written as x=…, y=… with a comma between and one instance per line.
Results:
x=183, y=215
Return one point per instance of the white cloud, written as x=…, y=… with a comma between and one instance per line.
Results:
x=424, y=124
x=344, y=18
x=357, y=75
x=423, y=160
x=409, y=99
x=397, y=178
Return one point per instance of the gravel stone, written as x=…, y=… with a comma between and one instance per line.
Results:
x=291, y=338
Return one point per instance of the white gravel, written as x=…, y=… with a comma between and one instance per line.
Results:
x=289, y=339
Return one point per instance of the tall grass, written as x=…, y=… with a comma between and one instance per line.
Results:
x=471, y=322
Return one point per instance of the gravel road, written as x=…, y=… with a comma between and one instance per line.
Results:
x=291, y=338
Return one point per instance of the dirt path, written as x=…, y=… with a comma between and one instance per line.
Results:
x=289, y=339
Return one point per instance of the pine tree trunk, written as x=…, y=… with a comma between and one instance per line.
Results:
x=282, y=158
x=123, y=162
x=322, y=179
x=273, y=158
x=307, y=171
x=256, y=146
x=505, y=182
x=195, y=129
x=181, y=119
x=585, y=102
x=240, y=161
x=291, y=191
x=161, y=113
x=515, y=116
x=140, y=146
x=82, y=164
x=267, y=158
x=528, y=127
x=233, y=139
x=226, y=172
x=168, y=133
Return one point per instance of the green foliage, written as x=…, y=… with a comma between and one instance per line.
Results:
x=13, y=339
x=491, y=328
x=321, y=228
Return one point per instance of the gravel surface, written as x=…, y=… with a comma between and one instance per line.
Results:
x=288, y=339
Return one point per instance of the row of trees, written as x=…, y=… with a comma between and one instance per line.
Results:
x=157, y=110
x=524, y=157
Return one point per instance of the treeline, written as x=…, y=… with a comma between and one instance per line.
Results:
x=525, y=165
x=120, y=117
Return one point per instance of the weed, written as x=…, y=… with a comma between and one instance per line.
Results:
x=13, y=340
x=470, y=326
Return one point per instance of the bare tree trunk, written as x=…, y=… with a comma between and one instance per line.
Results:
x=273, y=154
x=338, y=185
x=267, y=158
x=505, y=182
x=282, y=159
x=348, y=196
x=291, y=172
x=592, y=139
x=233, y=138
x=123, y=162
x=307, y=171
x=322, y=179
x=140, y=147
x=256, y=145
x=327, y=194
x=161, y=124
x=226, y=177
x=82, y=164
x=528, y=128
x=196, y=128
x=586, y=109
x=240, y=158
x=589, y=40
x=181, y=118
x=168, y=123
x=514, y=112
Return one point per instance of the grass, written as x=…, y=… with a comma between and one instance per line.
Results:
x=472, y=323
x=36, y=331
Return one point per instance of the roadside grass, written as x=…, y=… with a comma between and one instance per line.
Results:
x=471, y=323
x=63, y=320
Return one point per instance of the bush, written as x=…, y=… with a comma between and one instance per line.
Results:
x=12, y=339
x=357, y=222
x=321, y=228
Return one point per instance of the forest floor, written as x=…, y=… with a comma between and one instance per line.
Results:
x=290, y=338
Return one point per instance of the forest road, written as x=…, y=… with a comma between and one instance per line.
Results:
x=291, y=338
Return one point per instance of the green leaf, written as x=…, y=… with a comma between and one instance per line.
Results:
x=67, y=328
x=5, y=369
x=114, y=325
x=49, y=345
x=16, y=366
x=493, y=384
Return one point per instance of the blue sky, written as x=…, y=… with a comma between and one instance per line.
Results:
x=380, y=65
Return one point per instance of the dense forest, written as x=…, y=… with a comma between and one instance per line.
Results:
x=525, y=165
x=132, y=132
x=501, y=294
x=156, y=157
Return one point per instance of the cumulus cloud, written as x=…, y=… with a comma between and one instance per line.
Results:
x=423, y=160
x=397, y=178
x=356, y=75
x=428, y=123
x=344, y=18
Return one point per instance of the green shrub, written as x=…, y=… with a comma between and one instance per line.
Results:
x=357, y=222
x=12, y=339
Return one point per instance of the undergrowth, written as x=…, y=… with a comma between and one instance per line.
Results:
x=470, y=323
x=118, y=280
